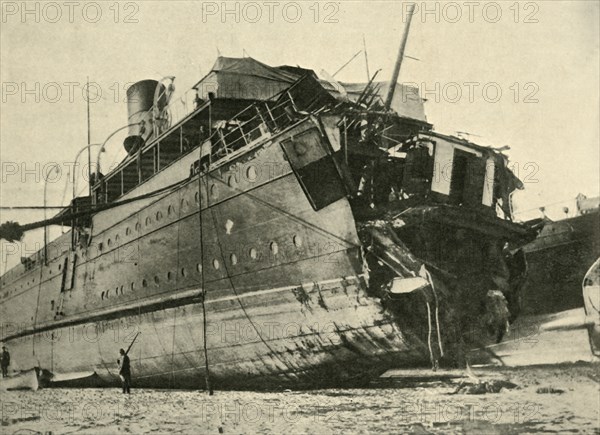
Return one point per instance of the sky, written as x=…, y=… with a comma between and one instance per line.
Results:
x=521, y=74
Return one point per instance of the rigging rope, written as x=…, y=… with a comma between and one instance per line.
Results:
x=203, y=282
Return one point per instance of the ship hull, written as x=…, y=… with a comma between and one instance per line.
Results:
x=557, y=262
x=249, y=273
x=330, y=334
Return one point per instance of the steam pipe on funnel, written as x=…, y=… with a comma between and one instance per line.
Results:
x=394, y=80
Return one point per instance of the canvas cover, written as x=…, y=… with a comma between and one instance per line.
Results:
x=248, y=79
x=243, y=78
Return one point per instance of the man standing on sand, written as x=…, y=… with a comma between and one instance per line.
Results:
x=124, y=371
x=5, y=361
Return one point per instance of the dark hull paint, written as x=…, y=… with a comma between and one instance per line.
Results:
x=557, y=261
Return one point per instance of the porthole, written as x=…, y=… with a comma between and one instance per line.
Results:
x=100, y=247
x=170, y=210
x=138, y=227
x=144, y=283
x=184, y=203
x=199, y=268
x=127, y=231
x=102, y=295
x=274, y=248
x=117, y=239
x=297, y=241
x=133, y=286
x=231, y=181
x=148, y=221
x=253, y=253
x=156, y=280
x=117, y=291
x=197, y=197
x=213, y=191
x=183, y=272
x=251, y=174
x=158, y=216
x=59, y=266
x=216, y=264
x=121, y=289
x=169, y=276
x=233, y=259
x=107, y=294
x=109, y=243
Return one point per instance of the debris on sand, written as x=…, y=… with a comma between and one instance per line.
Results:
x=492, y=386
x=549, y=390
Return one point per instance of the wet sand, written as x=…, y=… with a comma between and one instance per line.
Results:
x=557, y=399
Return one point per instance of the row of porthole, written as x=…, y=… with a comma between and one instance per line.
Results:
x=252, y=253
x=119, y=290
x=251, y=173
x=158, y=216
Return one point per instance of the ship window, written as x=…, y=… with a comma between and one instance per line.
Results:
x=117, y=291
x=274, y=248
x=233, y=259
x=184, y=203
x=170, y=210
x=468, y=174
x=109, y=245
x=169, y=276
x=199, y=267
x=183, y=273
x=147, y=163
x=170, y=148
x=59, y=266
x=253, y=253
x=231, y=181
x=144, y=283
x=100, y=246
x=314, y=168
x=297, y=241
x=216, y=264
x=117, y=239
x=214, y=191
x=132, y=286
x=121, y=289
x=102, y=295
x=148, y=221
x=138, y=227
x=156, y=280
x=127, y=231
x=158, y=215
x=197, y=197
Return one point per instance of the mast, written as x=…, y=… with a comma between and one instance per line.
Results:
x=366, y=57
x=89, y=140
x=394, y=80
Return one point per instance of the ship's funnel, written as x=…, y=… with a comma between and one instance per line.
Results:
x=140, y=101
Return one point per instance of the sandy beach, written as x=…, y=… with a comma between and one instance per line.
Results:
x=558, y=399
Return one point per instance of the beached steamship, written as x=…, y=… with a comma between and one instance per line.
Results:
x=287, y=231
